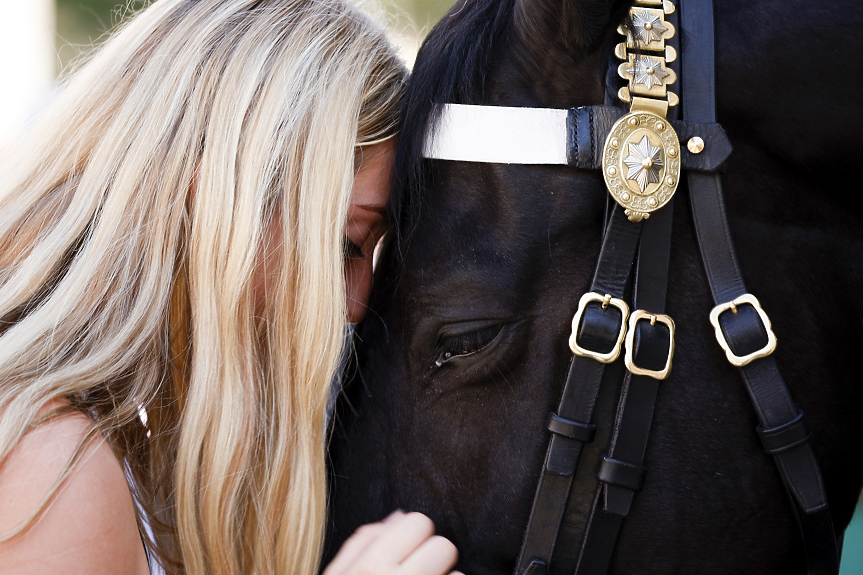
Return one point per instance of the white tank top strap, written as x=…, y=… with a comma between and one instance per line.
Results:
x=152, y=561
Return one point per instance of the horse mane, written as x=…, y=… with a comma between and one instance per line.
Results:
x=451, y=68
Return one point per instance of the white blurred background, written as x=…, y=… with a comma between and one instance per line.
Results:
x=27, y=61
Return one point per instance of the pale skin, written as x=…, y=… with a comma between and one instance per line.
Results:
x=90, y=528
x=366, y=223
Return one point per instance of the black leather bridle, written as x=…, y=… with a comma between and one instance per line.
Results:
x=783, y=430
x=638, y=234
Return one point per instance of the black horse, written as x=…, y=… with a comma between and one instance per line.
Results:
x=465, y=351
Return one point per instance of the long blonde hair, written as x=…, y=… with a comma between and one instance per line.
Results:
x=132, y=217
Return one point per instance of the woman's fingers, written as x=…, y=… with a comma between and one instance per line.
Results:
x=355, y=546
x=435, y=556
x=403, y=535
x=402, y=544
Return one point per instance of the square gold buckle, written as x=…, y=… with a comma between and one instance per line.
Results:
x=637, y=316
x=737, y=360
x=606, y=301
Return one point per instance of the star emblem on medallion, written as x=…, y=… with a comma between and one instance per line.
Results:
x=648, y=72
x=644, y=163
x=647, y=27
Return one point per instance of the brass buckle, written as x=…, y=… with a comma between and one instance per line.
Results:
x=720, y=337
x=606, y=301
x=636, y=316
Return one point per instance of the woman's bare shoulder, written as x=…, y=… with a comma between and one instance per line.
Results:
x=89, y=525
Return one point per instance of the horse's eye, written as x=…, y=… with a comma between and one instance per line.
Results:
x=464, y=344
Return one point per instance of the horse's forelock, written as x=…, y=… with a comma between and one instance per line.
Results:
x=451, y=67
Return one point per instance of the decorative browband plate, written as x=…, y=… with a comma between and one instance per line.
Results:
x=641, y=163
x=641, y=156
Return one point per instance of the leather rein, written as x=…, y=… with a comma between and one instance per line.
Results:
x=642, y=162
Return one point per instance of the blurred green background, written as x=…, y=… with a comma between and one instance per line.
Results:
x=81, y=23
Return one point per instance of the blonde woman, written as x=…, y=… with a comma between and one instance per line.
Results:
x=184, y=233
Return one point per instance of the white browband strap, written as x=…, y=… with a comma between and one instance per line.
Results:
x=499, y=135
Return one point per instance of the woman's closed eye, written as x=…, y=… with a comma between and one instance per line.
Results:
x=353, y=250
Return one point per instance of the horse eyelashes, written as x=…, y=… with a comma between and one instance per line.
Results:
x=464, y=344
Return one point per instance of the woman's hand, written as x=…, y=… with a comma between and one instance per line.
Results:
x=403, y=544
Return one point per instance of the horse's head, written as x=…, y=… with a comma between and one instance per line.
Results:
x=464, y=351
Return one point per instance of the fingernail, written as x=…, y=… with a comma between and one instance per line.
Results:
x=392, y=516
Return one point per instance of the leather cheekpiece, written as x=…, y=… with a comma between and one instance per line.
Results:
x=580, y=391
x=771, y=398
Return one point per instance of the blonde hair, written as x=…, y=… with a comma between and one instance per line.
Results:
x=131, y=221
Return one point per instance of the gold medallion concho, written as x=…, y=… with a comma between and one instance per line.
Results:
x=641, y=163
